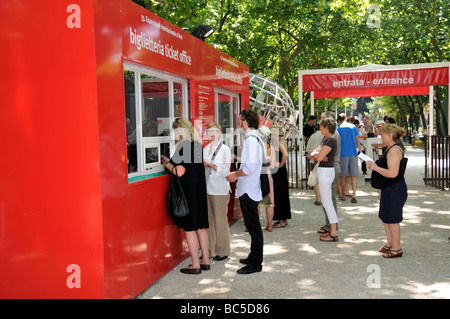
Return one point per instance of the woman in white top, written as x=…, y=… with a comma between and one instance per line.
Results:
x=217, y=160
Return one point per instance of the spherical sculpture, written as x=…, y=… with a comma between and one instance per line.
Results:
x=273, y=103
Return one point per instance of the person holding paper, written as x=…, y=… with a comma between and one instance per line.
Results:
x=393, y=196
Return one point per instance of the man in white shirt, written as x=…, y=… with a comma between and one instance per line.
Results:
x=248, y=188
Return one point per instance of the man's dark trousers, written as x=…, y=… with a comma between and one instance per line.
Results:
x=249, y=210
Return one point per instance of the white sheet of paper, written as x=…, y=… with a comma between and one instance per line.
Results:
x=365, y=158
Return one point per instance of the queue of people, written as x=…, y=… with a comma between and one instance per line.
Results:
x=391, y=165
x=205, y=177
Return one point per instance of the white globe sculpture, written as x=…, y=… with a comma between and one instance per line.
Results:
x=274, y=104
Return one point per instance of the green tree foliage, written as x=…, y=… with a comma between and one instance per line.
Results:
x=276, y=38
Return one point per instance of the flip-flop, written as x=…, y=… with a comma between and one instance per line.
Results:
x=353, y=200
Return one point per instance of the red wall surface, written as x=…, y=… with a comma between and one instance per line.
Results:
x=71, y=224
x=50, y=200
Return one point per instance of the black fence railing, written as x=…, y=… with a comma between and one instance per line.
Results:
x=292, y=163
x=437, y=160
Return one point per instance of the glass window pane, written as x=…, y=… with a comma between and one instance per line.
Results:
x=178, y=99
x=130, y=111
x=236, y=109
x=155, y=105
x=224, y=108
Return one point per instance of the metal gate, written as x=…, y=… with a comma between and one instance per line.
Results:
x=437, y=158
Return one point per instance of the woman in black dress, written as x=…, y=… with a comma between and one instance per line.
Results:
x=393, y=196
x=282, y=208
x=187, y=163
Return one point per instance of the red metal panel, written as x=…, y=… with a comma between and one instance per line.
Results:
x=50, y=204
x=156, y=244
x=113, y=156
x=65, y=199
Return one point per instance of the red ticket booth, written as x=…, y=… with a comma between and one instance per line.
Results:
x=88, y=93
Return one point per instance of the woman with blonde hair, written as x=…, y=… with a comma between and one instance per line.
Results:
x=394, y=191
x=187, y=163
x=217, y=160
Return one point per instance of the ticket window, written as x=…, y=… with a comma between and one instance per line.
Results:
x=153, y=100
x=227, y=109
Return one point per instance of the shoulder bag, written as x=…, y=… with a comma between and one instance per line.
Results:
x=378, y=181
x=176, y=201
x=207, y=168
x=312, y=179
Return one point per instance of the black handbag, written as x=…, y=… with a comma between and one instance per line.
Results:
x=265, y=186
x=176, y=201
x=378, y=181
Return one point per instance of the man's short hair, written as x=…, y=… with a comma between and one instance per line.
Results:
x=252, y=118
x=312, y=117
x=341, y=117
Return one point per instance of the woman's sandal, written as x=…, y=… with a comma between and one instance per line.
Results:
x=332, y=238
x=385, y=249
x=390, y=253
x=278, y=225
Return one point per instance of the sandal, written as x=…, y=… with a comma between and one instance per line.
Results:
x=323, y=230
x=278, y=225
x=390, y=253
x=332, y=238
x=384, y=249
x=353, y=200
x=325, y=234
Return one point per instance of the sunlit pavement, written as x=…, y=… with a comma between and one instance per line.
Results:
x=298, y=265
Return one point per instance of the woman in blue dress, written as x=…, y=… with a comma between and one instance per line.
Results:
x=394, y=193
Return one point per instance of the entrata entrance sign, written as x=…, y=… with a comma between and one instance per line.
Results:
x=371, y=83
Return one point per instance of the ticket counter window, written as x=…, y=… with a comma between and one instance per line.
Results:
x=155, y=105
x=227, y=104
x=152, y=101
